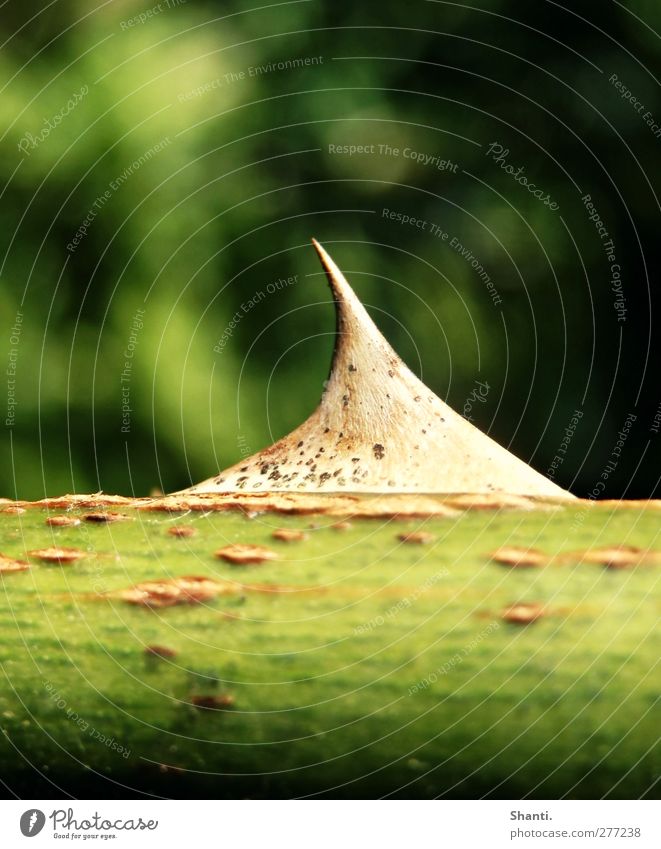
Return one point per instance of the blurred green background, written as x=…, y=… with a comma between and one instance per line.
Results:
x=193, y=146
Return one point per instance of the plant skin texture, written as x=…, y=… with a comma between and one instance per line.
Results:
x=353, y=665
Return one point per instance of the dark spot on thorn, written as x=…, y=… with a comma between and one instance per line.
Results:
x=326, y=430
x=300, y=444
x=352, y=367
x=243, y=469
x=379, y=451
x=264, y=469
x=355, y=459
x=321, y=450
x=391, y=373
x=324, y=477
x=417, y=398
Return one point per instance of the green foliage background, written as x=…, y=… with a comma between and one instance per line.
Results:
x=228, y=205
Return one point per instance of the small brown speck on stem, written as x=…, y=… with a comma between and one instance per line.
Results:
x=241, y=555
x=519, y=558
x=106, y=518
x=182, y=531
x=10, y=564
x=617, y=556
x=419, y=537
x=56, y=554
x=522, y=614
x=160, y=652
x=289, y=535
x=189, y=589
x=212, y=702
x=62, y=521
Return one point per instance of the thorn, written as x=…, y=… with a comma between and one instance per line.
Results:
x=370, y=408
